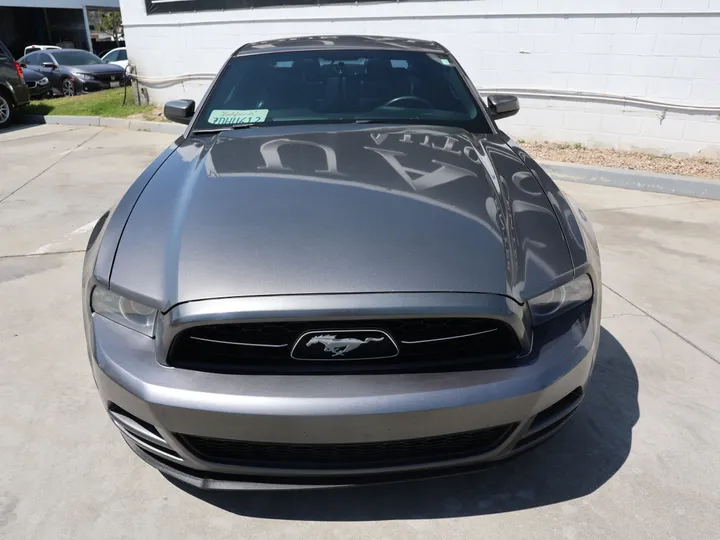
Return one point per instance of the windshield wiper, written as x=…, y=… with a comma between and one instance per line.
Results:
x=224, y=128
x=386, y=121
x=208, y=131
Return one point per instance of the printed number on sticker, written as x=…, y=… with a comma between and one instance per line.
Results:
x=220, y=117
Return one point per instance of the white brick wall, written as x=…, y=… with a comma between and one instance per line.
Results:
x=678, y=45
x=672, y=89
x=659, y=50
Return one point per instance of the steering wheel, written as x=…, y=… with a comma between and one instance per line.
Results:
x=416, y=99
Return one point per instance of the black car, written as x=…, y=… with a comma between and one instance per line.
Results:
x=38, y=84
x=13, y=90
x=74, y=71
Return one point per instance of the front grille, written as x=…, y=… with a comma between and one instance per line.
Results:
x=348, y=456
x=109, y=77
x=425, y=345
x=31, y=84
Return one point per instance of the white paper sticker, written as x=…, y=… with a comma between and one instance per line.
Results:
x=221, y=117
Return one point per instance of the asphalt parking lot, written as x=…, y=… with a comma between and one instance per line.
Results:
x=638, y=461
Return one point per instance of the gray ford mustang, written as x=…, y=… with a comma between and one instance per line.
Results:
x=343, y=272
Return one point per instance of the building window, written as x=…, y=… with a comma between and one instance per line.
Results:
x=154, y=7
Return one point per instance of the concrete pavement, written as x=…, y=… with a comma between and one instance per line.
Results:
x=639, y=460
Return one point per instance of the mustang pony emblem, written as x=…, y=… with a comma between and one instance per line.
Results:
x=339, y=347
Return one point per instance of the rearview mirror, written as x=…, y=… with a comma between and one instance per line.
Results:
x=180, y=111
x=502, y=106
x=49, y=65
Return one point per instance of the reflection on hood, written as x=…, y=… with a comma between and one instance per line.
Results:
x=274, y=210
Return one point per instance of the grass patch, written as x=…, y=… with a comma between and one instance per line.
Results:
x=106, y=103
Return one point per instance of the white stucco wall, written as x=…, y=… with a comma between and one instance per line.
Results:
x=665, y=51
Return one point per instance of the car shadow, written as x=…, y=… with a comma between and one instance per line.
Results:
x=36, y=108
x=584, y=455
x=18, y=127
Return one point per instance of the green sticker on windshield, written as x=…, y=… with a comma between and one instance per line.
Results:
x=221, y=117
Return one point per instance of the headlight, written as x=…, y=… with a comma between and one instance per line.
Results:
x=43, y=81
x=123, y=311
x=553, y=303
x=84, y=76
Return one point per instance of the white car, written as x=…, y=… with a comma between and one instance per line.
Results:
x=33, y=48
x=117, y=56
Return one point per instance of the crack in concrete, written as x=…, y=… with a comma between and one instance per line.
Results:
x=608, y=317
x=640, y=207
x=41, y=254
x=6, y=197
x=43, y=135
x=686, y=340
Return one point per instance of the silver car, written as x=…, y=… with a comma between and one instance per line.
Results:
x=342, y=273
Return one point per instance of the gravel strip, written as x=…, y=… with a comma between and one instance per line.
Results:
x=576, y=153
x=156, y=115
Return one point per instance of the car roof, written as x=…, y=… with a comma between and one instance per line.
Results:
x=55, y=51
x=342, y=42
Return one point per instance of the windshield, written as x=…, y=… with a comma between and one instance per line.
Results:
x=336, y=86
x=76, y=58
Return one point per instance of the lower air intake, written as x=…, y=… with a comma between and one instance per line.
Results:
x=348, y=456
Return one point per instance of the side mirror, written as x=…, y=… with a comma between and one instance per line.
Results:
x=23, y=65
x=49, y=65
x=180, y=111
x=502, y=106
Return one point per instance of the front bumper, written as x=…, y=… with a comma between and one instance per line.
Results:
x=95, y=85
x=21, y=94
x=41, y=91
x=152, y=404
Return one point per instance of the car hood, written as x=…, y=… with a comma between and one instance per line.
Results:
x=96, y=69
x=345, y=209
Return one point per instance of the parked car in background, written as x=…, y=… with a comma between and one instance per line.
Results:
x=38, y=84
x=13, y=90
x=74, y=71
x=117, y=57
x=33, y=48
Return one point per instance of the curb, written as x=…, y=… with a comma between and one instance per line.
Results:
x=122, y=123
x=671, y=184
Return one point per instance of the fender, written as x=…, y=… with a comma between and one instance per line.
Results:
x=115, y=223
x=563, y=209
